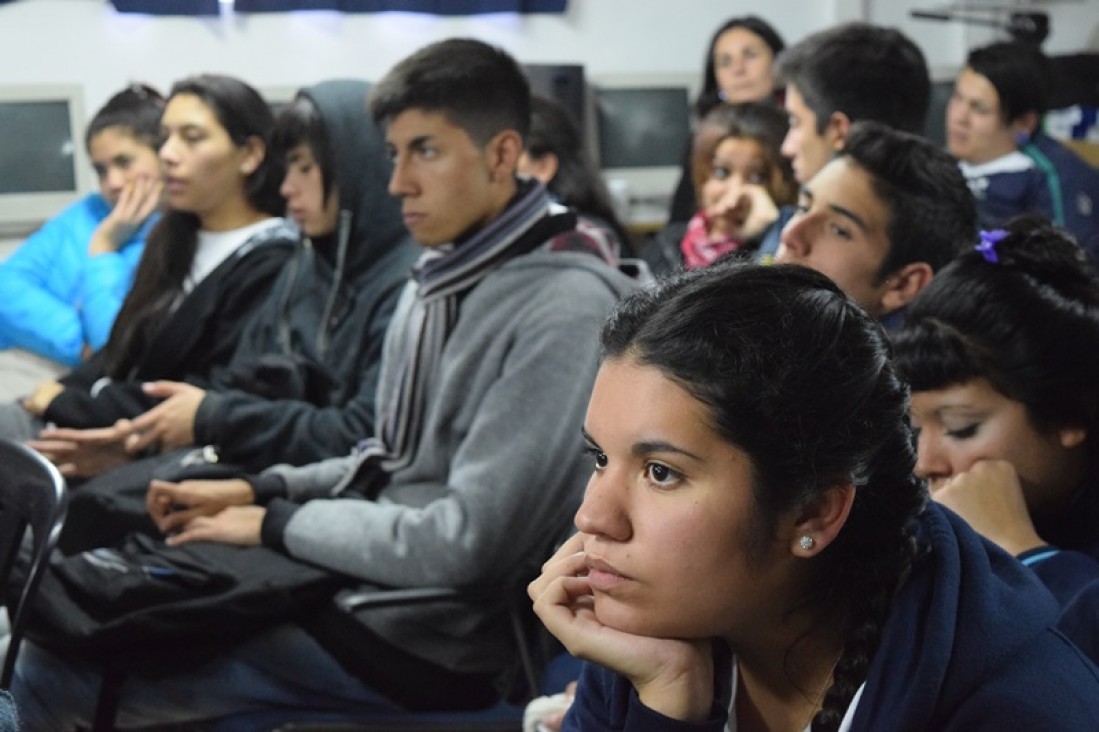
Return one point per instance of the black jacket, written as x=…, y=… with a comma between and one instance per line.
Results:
x=198, y=337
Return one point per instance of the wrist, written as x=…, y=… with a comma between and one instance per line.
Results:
x=687, y=696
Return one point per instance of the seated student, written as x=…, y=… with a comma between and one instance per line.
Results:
x=881, y=218
x=301, y=384
x=740, y=178
x=754, y=546
x=555, y=156
x=478, y=463
x=739, y=68
x=998, y=99
x=1001, y=352
x=64, y=285
x=837, y=77
x=992, y=120
x=208, y=265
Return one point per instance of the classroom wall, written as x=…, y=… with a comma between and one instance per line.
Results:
x=87, y=42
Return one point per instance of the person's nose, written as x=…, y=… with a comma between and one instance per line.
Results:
x=604, y=511
x=797, y=237
x=932, y=462
x=401, y=180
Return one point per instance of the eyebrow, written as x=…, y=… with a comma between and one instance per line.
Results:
x=842, y=211
x=641, y=449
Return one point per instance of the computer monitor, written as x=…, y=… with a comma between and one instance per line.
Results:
x=565, y=84
x=43, y=164
x=644, y=129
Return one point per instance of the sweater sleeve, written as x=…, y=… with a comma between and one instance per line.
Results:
x=511, y=479
x=256, y=432
x=39, y=311
x=1063, y=572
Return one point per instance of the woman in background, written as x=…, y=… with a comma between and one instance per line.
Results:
x=753, y=545
x=64, y=285
x=1002, y=352
x=739, y=68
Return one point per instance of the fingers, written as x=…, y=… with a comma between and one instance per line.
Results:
x=164, y=389
x=143, y=431
x=199, y=529
x=159, y=500
x=567, y=560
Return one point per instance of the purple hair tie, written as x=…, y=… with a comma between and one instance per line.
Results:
x=987, y=247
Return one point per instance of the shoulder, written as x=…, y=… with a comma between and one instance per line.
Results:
x=1048, y=684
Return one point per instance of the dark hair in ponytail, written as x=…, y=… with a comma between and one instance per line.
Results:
x=136, y=109
x=1028, y=323
x=802, y=380
x=170, y=246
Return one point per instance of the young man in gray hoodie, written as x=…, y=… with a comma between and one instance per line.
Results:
x=478, y=463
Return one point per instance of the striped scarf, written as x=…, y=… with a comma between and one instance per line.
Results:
x=428, y=310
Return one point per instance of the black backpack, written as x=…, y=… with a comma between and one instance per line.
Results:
x=151, y=602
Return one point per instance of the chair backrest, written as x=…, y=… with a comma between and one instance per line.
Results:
x=32, y=496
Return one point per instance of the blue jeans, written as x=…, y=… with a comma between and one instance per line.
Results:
x=283, y=668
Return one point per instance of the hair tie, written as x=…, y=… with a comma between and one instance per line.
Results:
x=987, y=247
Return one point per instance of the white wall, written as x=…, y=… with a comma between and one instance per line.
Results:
x=87, y=42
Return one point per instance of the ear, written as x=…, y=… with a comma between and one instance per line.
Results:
x=1071, y=437
x=1026, y=123
x=839, y=124
x=252, y=153
x=821, y=520
x=543, y=168
x=902, y=286
x=502, y=155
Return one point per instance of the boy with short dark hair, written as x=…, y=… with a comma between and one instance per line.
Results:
x=478, y=464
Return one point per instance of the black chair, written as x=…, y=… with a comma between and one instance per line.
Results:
x=533, y=646
x=32, y=496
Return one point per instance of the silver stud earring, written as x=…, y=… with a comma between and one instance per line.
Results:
x=806, y=542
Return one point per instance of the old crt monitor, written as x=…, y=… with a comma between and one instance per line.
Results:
x=644, y=130
x=43, y=165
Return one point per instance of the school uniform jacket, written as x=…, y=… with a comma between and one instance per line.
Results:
x=968, y=645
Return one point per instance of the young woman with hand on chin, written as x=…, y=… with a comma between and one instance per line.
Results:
x=64, y=285
x=754, y=547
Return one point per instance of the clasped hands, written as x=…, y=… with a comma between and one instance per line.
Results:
x=205, y=510
x=88, y=452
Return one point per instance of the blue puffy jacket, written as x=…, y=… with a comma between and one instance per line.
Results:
x=54, y=297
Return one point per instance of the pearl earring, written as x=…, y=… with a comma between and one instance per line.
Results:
x=806, y=542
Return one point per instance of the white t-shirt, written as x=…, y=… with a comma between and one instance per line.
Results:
x=214, y=247
x=845, y=724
